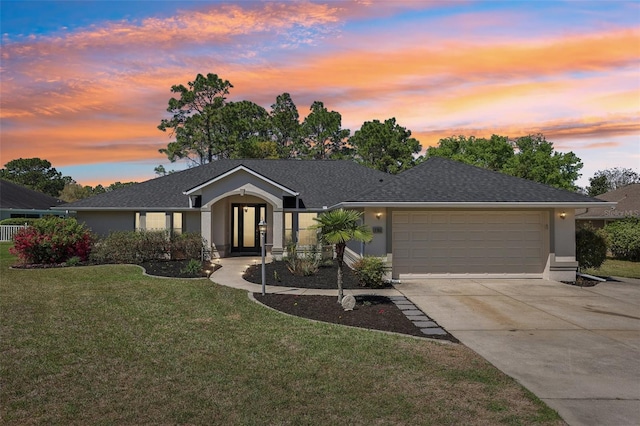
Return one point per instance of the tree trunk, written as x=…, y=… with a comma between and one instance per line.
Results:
x=340, y=257
x=340, y=293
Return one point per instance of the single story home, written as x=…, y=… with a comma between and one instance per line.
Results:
x=628, y=205
x=441, y=218
x=17, y=201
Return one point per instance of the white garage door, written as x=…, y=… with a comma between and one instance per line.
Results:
x=472, y=243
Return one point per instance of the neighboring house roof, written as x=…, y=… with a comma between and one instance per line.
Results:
x=628, y=199
x=14, y=196
x=442, y=181
x=319, y=183
x=327, y=183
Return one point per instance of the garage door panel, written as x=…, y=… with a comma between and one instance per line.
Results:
x=420, y=236
x=480, y=242
x=400, y=218
x=419, y=218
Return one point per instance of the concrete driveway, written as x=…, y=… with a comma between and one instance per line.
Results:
x=577, y=349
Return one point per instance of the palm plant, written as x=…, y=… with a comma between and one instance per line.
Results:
x=337, y=227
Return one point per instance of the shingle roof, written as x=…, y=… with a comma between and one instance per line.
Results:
x=628, y=199
x=320, y=183
x=329, y=183
x=440, y=180
x=14, y=196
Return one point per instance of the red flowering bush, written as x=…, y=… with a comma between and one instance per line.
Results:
x=52, y=240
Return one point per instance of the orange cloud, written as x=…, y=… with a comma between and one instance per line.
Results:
x=97, y=95
x=555, y=131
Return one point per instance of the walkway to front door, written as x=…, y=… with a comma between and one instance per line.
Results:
x=244, y=223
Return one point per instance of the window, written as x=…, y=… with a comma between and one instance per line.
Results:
x=157, y=221
x=305, y=236
x=176, y=223
x=288, y=228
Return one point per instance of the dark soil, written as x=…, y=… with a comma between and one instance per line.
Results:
x=277, y=274
x=370, y=312
x=176, y=268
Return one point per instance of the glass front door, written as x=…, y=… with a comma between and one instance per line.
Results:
x=245, y=219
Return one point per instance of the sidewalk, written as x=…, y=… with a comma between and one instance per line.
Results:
x=230, y=275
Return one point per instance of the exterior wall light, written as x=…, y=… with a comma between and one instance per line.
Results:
x=378, y=215
x=563, y=215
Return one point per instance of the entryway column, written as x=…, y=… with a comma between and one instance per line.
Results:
x=277, y=233
x=205, y=226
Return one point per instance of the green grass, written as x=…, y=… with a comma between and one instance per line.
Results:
x=108, y=345
x=617, y=268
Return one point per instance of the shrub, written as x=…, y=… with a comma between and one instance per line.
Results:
x=624, y=238
x=143, y=246
x=132, y=247
x=591, y=247
x=187, y=246
x=52, y=240
x=73, y=261
x=370, y=271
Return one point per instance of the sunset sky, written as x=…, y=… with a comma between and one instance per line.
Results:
x=85, y=84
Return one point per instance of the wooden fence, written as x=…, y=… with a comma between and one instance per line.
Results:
x=8, y=231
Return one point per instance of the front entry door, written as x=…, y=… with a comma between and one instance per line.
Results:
x=245, y=219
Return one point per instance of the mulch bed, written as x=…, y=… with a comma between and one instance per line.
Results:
x=371, y=312
x=175, y=268
x=277, y=273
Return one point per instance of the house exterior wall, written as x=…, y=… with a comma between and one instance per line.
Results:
x=378, y=245
x=562, y=264
x=242, y=182
x=104, y=222
x=191, y=221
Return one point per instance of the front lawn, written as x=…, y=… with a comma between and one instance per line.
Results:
x=617, y=268
x=106, y=344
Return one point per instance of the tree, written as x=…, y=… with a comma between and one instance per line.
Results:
x=161, y=171
x=624, y=238
x=387, y=146
x=194, y=117
x=490, y=154
x=36, y=174
x=536, y=160
x=530, y=157
x=285, y=126
x=240, y=124
x=74, y=192
x=323, y=133
x=338, y=227
x=118, y=185
x=611, y=179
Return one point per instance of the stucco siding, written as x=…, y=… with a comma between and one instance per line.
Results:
x=104, y=222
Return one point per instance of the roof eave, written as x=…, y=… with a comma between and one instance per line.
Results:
x=158, y=208
x=483, y=204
